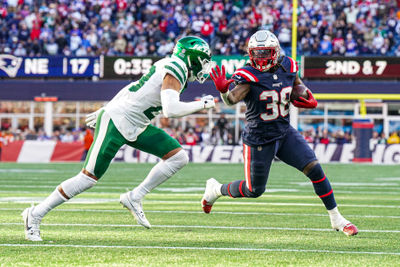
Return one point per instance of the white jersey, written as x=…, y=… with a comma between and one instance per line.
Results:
x=132, y=109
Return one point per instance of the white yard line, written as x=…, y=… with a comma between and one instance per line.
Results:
x=220, y=203
x=214, y=212
x=266, y=195
x=30, y=170
x=208, y=248
x=387, y=179
x=205, y=227
x=358, y=185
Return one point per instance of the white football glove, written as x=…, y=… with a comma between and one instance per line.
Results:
x=91, y=118
x=208, y=101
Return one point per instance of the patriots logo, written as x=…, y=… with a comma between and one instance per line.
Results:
x=10, y=64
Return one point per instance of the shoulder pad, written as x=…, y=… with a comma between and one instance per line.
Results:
x=290, y=64
x=244, y=75
x=176, y=69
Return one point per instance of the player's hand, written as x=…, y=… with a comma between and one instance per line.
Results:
x=91, y=118
x=306, y=103
x=208, y=101
x=219, y=79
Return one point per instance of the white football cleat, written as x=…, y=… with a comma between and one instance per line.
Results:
x=135, y=207
x=211, y=194
x=339, y=223
x=32, y=225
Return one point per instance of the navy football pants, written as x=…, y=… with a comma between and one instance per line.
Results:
x=293, y=150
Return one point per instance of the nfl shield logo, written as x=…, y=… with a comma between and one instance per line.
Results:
x=275, y=77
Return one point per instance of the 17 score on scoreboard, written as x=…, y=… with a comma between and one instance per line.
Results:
x=352, y=67
x=80, y=67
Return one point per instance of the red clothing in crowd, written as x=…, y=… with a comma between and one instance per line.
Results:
x=324, y=140
x=3, y=12
x=88, y=140
x=191, y=139
x=223, y=23
x=207, y=29
x=36, y=25
x=121, y=5
x=163, y=25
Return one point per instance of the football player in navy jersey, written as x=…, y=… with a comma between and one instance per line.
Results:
x=265, y=86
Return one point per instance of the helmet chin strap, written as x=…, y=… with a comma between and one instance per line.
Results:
x=191, y=77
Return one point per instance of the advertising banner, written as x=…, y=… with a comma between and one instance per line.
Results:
x=351, y=67
x=49, y=66
x=381, y=154
x=50, y=151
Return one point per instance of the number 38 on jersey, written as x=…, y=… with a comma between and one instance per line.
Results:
x=277, y=103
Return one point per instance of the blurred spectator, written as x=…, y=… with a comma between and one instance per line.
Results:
x=191, y=138
x=285, y=36
x=120, y=44
x=351, y=46
x=338, y=44
x=377, y=43
x=324, y=139
x=207, y=30
x=382, y=139
x=393, y=138
x=179, y=135
x=308, y=136
x=325, y=46
x=1, y=143
x=351, y=14
x=165, y=48
x=67, y=137
x=340, y=138
x=87, y=142
x=221, y=125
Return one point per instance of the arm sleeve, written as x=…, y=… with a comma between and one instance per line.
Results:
x=173, y=107
x=224, y=97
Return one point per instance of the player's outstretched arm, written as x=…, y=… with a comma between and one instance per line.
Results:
x=302, y=102
x=171, y=104
x=222, y=84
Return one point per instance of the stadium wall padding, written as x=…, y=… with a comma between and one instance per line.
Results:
x=51, y=151
x=26, y=90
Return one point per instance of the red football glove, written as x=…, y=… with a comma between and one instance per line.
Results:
x=306, y=103
x=219, y=79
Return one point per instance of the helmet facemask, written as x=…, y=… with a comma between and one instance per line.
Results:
x=199, y=69
x=263, y=58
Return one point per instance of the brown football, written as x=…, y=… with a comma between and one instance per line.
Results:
x=298, y=91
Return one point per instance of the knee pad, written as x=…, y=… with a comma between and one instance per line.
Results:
x=316, y=173
x=77, y=185
x=177, y=162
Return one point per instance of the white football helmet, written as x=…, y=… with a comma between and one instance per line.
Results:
x=264, y=50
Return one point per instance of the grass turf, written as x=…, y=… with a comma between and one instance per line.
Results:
x=288, y=225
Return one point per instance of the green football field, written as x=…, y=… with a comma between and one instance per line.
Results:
x=288, y=225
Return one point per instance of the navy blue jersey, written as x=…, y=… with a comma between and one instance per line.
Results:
x=268, y=101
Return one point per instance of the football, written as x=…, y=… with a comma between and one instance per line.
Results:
x=298, y=91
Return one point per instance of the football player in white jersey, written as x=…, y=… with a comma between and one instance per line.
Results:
x=126, y=120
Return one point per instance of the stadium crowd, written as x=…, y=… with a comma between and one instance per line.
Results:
x=150, y=27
